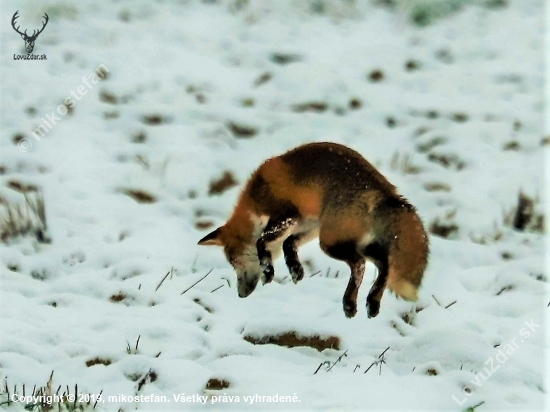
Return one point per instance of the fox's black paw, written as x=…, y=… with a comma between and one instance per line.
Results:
x=268, y=274
x=350, y=308
x=373, y=307
x=297, y=273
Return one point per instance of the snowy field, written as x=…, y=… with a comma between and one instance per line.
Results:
x=149, y=154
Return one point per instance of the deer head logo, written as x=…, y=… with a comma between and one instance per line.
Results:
x=29, y=40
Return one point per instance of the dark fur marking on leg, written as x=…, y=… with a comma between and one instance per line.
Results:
x=352, y=290
x=378, y=254
x=347, y=251
x=274, y=229
x=291, y=258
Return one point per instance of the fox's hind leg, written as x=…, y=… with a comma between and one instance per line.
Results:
x=274, y=230
x=347, y=251
x=379, y=256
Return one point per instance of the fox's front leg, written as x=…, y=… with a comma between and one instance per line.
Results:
x=291, y=258
x=275, y=228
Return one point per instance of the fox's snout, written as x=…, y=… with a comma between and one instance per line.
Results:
x=246, y=285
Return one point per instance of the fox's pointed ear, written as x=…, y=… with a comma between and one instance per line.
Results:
x=212, y=239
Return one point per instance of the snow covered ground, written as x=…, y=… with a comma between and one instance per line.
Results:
x=452, y=113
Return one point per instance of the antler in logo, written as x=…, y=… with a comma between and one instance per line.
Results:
x=29, y=40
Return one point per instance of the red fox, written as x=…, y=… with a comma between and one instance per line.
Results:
x=329, y=191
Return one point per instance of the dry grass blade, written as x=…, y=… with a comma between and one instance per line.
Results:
x=436, y=301
x=98, y=398
x=337, y=360
x=149, y=377
x=197, y=282
x=164, y=278
x=39, y=208
x=320, y=365
x=381, y=360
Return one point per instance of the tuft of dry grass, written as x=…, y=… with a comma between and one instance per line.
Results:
x=29, y=219
x=22, y=187
x=524, y=216
x=46, y=398
x=204, y=224
x=432, y=114
x=241, y=131
x=437, y=187
x=203, y=305
x=410, y=317
x=248, y=102
x=425, y=147
x=98, y=361
x=107, y=97
x=316, y=107
x=402, y=163
x=216, y=384
x=134, y=350
x=460, y=117
x=511, y=145
x=139, y=196
x=381, y=360
x=412, y=65
x=376, y=76
x=150, y=377
x=139, y=137
x=391, y=122
x=444, y=226
x=155, y=119
x=17, y=138
x=111, y=114
x=449, y=161
x=397, y=328
x=263, y=78
x=293, y=339
x=117, y=297
x=227, y=181
x=493, y=236
x=443, y=229
x=284, y=58
x=355, y=103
